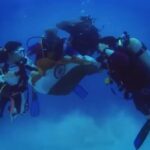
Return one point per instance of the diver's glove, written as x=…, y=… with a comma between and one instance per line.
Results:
x=104, y=48
x=2, y=80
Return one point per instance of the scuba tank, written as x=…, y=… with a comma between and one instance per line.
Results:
x=140, y=51
x=136, y=48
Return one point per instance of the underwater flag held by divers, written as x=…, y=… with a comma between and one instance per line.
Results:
x=139, y=140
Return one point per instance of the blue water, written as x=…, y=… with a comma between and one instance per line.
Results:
x=102, y=121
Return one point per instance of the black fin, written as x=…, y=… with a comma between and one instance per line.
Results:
x=139, y=140
x=81, y=91
x=34, y=107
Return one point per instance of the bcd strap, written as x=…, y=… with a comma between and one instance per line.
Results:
x=141, y=51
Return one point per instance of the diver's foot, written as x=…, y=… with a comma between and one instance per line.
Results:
x=1, y=115
x=13, y=116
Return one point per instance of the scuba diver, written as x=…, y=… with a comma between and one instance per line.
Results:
x=127, y=61
x=61, y=78
x=84, y=36
x=14, y=79
x=50, y=54
x=51, y=46
x=128, y=67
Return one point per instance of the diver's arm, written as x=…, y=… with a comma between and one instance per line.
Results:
x=30, y=65
x=2, y=78
x=148, y=116
x=73, y=59
x=79, y=59
x=34, y=77
x=31, y=68
x=1, y=73
x=66, y=26
x=104, y=48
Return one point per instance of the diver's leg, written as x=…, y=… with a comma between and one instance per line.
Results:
x=142, y=101
x=17, y=101
x=90, y=69
x=3, y=102
x=4, y=97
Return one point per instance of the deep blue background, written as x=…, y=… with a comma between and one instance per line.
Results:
x=101, y=121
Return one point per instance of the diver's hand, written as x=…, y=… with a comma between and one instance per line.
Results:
x=90, y=60
x=105, y=49
x=2, y=78
x=102, y=47
x=65, y=25
x=148, y=116
x=67, y=58
x=73, y=59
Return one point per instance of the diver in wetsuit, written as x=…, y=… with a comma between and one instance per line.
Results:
x=13, y=77
x=128, y=67
x=127, y=61
x=84, y=36
x=50, y=46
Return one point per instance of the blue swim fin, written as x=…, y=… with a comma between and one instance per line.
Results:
x=81, y=91
x=139, y=140
x=34, y=107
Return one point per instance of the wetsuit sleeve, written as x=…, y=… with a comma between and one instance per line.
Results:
x=3, y=57
x=66, y=26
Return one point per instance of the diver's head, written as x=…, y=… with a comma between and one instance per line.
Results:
x=14, y=50
x=135, y=45
x=12, y=46
x=87, y=19
x=50, y=33
x=49, y=38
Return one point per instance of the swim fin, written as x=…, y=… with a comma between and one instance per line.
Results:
x=113, y=91
x=139, y=140
x=34, y=107
x=25, y=104
x=81, y=91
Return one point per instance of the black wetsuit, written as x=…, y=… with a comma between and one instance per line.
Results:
x=130, y=74
x=84, y=36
